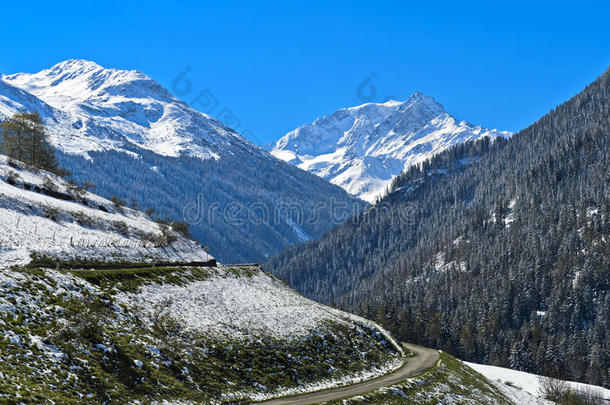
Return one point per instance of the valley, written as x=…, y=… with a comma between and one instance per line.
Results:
x=385, y=252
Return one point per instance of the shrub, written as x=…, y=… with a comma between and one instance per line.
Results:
x=12, y=177
x=166, y=238
x=62, y=172
x=51, y=212
x=48, y=184
x=182, y=228
x=76, y=191
x=83, y=219
x=118, y=203
x=121, y=227
x=84, y=320
x=88, y=186
x=560, y=392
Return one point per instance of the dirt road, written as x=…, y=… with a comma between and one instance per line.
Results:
x=423, y=360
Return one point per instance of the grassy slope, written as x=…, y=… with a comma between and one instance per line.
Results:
x=66, y=339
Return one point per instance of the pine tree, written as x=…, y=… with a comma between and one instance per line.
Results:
x=24, y=138
x=13, y=141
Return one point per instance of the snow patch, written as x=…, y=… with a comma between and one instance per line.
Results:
x=528, y=391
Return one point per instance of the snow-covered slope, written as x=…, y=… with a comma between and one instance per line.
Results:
x=525, y=388
x=362, y=148
x=40, y=213
x=130, y=137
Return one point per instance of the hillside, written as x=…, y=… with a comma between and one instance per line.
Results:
x=524, y=387
x=494, y=251
x=130, y=137
x=45, y=218
x=197, y=335
x=363, y=148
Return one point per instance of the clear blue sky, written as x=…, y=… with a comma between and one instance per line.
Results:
x=278, y=65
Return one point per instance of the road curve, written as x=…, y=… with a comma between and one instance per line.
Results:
x=424, y=359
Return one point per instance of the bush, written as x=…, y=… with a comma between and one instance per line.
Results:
x=83, y=219
x=84, y=320
x=63, y=173
x=552, y=389
x=167, y=236
x=88, y=186
x=118, y=203
x=182, y=228
x=121, y=227
x=51, y=212
x=76, y=191
x=12, y=177
x=48, y=184
x=561, y=393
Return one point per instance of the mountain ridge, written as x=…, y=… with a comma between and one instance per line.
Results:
x=124, y=106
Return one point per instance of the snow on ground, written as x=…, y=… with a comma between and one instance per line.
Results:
x=233, y=304
x=524, y=387
x=252, y=306
x=33, y=221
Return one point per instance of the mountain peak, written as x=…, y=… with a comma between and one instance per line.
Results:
x=75, y=79
x=362, y=148
x=113, y=109
x=419, y=101
x=76, y=64
x=421, y=98
x=424, y=103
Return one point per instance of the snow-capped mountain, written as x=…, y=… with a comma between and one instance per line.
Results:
x=361, y=149
x=110, y=109
x=130, y=137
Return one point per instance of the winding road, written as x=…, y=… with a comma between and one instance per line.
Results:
x=424, y=359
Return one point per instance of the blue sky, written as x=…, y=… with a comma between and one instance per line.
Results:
x=278, y=65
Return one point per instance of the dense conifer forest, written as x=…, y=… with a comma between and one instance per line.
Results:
x=495, y=252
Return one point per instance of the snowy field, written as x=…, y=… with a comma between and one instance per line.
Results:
x=254, y=307
x=236, y=305
x=88, y=227
x=524, y=387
